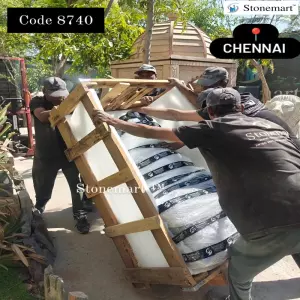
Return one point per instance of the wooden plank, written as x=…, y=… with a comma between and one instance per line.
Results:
x=133, y=82
x=218, y=280
x=69, y=104
x=133, y=227
x=186, y=31
x=160, y=56
x=111, y=181
x=221, y=278
x=182, y=56
x=162, y=36
x=203, y=41
x=116, y=91
x=172, y=24
x=200, y=277
x=157, y=27
x=185, y=37
x=98, y=134
x=159, y=49
x=118, y=101
x=169, y=276
x=190, y=54
x=159, y=32
x=208, y=278
x=190, y=51
x=136, y=97
x=160, y=42
x=187, y=44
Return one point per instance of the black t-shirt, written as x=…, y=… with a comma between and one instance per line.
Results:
x=255, y=167
x=251, y=104
x=48, y=141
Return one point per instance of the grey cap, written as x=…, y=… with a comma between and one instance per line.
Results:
x=146, y=68
x=55, y=87
x=212, y=75
x=201, y=100
x=223, y=96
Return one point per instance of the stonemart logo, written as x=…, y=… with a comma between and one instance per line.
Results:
x=261, y=7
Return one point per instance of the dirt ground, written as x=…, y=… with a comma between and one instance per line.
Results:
x=91, y=264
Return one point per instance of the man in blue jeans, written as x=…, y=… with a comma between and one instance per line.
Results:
x=256, y=169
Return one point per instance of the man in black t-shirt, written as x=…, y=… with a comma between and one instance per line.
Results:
x=49, y=155
x=256, y=169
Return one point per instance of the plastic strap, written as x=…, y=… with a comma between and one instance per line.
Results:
x=166, y=168
x=209, y=251
x=172, y=202
x=154, y=158
x=197, y=227
x=158, y=145
x=199, y=179
x=158, y=186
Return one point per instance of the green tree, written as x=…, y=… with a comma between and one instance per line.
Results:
x=209, y=16
x=85, y=51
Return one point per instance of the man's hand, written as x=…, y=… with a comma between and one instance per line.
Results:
x=172, y=146
x=175, y=82
x=147, y=100
x=100, y=116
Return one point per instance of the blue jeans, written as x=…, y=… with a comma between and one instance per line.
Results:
x=250, y=257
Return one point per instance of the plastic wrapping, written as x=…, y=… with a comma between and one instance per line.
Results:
x=187, y=201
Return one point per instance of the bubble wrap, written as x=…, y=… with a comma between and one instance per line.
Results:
x=199, y=228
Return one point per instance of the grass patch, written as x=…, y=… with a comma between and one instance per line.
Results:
x=12, y=287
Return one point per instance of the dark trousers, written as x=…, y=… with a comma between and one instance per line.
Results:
x=250, y=257
x=44, y=173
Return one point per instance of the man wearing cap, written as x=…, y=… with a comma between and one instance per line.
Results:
x=256, y=169
x=148, y=72
x=49, y=155
x=216, y=77
x=211, y=77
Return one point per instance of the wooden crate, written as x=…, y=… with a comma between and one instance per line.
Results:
x=124, y=94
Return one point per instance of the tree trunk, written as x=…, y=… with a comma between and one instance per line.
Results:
x=266, y=93
x=150, y=21
x=60, y=69
x=108, y=8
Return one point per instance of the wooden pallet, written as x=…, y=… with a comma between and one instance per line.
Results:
x=123, y=94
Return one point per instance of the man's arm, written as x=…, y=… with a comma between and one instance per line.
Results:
x=171, y=114
x=139, y=130
x=42, y=114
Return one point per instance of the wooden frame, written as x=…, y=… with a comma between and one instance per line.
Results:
x=124, y=93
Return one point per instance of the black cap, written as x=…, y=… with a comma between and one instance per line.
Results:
x=55, y=87
x=223, y=96
x=212, y=75
x=201, y=99
x=146, y=68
